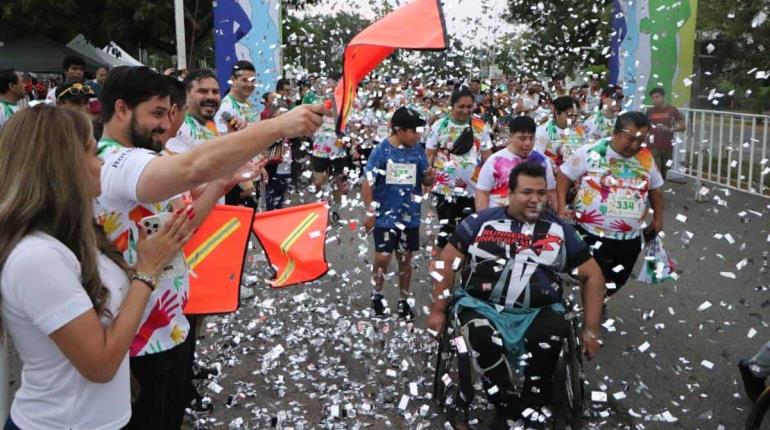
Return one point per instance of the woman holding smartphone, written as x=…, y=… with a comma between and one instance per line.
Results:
x=68, y=300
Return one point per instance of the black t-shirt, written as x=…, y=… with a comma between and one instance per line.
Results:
x=514, y=264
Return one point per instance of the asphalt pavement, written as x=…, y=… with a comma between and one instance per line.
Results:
x=311, y=356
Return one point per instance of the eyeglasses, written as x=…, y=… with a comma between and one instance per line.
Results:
x=638, y=138
x=76, y=90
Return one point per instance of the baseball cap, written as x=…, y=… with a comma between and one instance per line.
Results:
x=406, y=118
x=74, y=91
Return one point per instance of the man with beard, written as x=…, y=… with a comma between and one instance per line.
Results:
x=136, y=183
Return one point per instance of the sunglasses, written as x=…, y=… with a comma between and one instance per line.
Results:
x=76, y=90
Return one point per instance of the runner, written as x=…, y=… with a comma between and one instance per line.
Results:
x=616, y=176
x=392, y=191
x=563, y=133
x=457, y=146
x=593, y=95
x=666, y=120
x=11, y=91
x=509, y=306
x=330, y=157
x=602, y=122
x=492, y=186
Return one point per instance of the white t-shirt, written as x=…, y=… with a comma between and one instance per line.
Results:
x=51, y=96
x=612, y=196
x=36, y=303
x=496, y=171
x=6, y=112
x=163, y=325
x=326, y=144
x=456, y=174
x=244, y=111
x=191, y=134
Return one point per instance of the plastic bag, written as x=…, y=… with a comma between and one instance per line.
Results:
x=657, y=267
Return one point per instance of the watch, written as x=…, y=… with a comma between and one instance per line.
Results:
x=150, y=281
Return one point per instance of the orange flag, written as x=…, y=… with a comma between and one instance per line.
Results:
x=293, y=240
x=417, y=25
x=215, y=256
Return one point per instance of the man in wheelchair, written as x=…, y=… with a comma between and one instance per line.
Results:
x=509, y=307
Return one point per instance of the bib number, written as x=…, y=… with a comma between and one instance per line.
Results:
x=401, y=174
x=624, y=207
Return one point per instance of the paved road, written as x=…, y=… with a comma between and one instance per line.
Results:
x=298, y=356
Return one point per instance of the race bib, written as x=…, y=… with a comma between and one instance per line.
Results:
x=623, y=206
x=401, y=174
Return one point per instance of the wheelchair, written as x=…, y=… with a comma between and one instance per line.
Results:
x=454, y=376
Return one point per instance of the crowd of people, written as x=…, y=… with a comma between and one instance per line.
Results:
x=527, y=182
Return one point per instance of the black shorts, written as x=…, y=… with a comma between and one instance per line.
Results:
x=611, y=254
x=394, y=239
x=333, y=166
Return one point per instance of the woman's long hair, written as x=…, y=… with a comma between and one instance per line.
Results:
x=45, y=187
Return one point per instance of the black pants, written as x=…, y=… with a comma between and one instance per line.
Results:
x=548, y=328
x=453, y=210
x=233, y=198
x=276, y=187
x=612, y=253
x=165, y=383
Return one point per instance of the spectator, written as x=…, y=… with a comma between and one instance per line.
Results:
x=666, y=120
x=236, y=102
x=97, y=83
x=74, y=70
x=73, y=322
x=137, y=181
x=74, y=95
x=11, y=91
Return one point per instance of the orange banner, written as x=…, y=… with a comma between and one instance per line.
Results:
x=417, y=25
x=293, y=240
x=215, y=256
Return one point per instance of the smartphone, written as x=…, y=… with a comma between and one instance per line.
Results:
x=151, y=225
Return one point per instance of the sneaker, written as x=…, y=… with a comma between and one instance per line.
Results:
x=405, y=311
x=754, y=385
x=246, y=292
x=335, y=218
x=378, y=305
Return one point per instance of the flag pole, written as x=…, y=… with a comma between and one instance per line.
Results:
x=181, y=46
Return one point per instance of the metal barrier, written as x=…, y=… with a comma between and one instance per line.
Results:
x=725, y=148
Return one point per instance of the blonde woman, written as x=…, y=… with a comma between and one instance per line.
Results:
x=69, y=302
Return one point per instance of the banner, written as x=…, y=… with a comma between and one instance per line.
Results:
x=249, y=30
x=418, y=25
x=653, y=45
x=215, y=256
x=294, y=242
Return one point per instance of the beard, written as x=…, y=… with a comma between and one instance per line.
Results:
x=143, y=138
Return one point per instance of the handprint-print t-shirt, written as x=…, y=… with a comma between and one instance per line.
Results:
x=117, y=209
x=612, y=196
x=496, y=171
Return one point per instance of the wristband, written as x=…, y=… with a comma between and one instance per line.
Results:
x=150, y=281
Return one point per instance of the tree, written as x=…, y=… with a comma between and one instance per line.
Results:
x=133, y=24
x=564, y=34
x=734, y=44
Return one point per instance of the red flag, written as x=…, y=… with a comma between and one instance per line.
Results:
x=418, y=25
x=215, y=256
x=293, y=240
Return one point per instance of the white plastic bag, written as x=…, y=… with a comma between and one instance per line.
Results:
x=657, y=267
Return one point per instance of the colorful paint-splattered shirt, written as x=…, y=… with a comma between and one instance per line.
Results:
x=598, y=126
x=326, y=143
x=456, y=174
x=239, y=110
x=163, y=324
x=612, y=196
x=558, y=143
x=496, y=171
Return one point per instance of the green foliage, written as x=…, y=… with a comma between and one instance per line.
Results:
x=739, y=31
x=563, y=35
x=134, y=24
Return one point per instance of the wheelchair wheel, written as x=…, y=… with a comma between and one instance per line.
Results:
x=757, y=420
x=574, y=388
x=444, y=358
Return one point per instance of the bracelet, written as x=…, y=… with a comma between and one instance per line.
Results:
x=150, y=281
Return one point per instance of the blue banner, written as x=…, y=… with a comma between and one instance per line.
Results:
x=248, y=30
